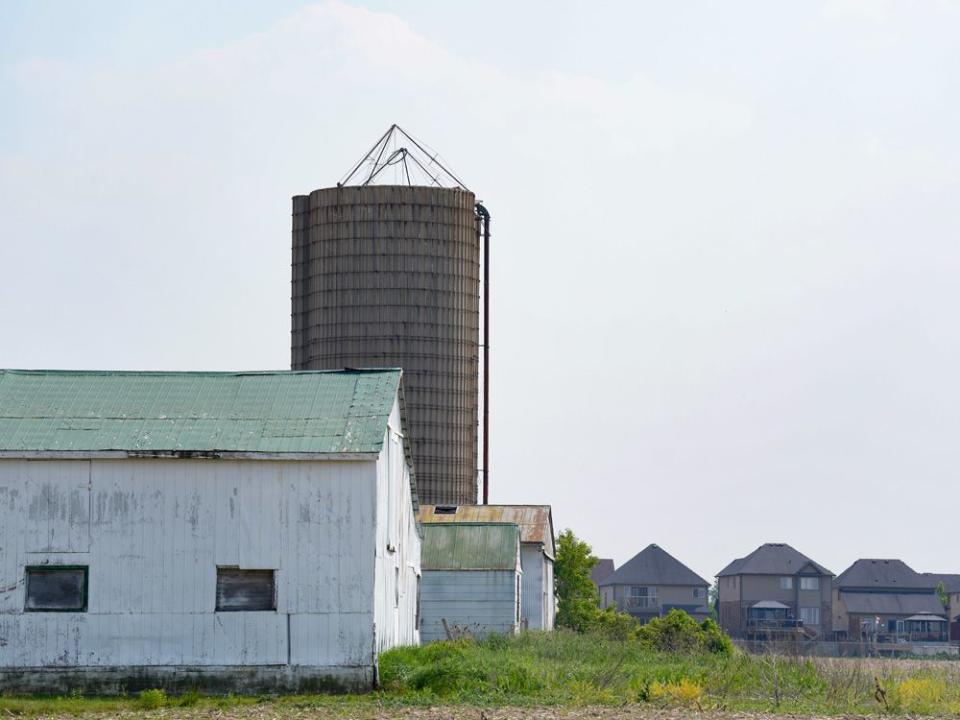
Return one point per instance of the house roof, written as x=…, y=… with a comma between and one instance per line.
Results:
x=951, y=582
x=653, y=566
x=874, y=603
x=535, y=521
x=926, y=617
x=602, y=569
x=71, y=412
x=772, y=559
x=885, y=574
x=470, y=546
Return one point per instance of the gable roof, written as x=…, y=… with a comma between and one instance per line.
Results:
x=653, y=566
x=882, y=574
x=602, y=569
x=874, y=603
x=772, y=559
x=67, y=412
x=951, y=581
x=470, y=546
x=535, y=521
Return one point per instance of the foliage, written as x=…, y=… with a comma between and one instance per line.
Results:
x=677, y=632
x=577, y=599
x=942, y=594
x=151, y=699
x=683, y=693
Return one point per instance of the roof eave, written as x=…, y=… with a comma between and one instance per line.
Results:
x=181, y=455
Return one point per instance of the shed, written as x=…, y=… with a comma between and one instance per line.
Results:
x=251, y=532
x=471, y=579
x=537, y=550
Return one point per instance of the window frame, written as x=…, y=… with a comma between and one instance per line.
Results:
x=273, y=575
x=27, y=569
x=786, y=582
x=810, y=610
x=814, y=579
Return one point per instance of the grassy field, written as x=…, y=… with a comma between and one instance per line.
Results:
x=557, y=675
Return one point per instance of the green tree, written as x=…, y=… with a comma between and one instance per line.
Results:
x=942, y=594
x=578, y=603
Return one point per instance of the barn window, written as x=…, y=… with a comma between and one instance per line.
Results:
x=445, y=510
x=53, y=588
x=245, y=589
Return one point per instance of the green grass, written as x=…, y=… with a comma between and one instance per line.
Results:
x=565, y=669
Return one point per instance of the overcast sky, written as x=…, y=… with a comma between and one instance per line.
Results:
x=726, y=271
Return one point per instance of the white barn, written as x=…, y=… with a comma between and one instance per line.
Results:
x=537, y=551
x=471, y=580
x=245, y=532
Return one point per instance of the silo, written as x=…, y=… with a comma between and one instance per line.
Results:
x=389, y=275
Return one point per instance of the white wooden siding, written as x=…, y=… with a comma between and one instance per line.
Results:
x=153, y=531
x=482, y=601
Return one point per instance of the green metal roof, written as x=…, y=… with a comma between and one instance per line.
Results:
x=258, y=412
x=470, y=546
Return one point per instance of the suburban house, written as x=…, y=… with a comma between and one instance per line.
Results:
x=537, y=550
x=248, y=532
x=951, y=586
x=886, y=601
x=775, y=592
x=471, y=580
x=652, y=583
x=602, y=568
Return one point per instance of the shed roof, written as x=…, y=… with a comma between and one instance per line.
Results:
x=470, y=546
x=769, y=605
x=927, y=617
x=773, y=559
x=873, y=603
x=535, y=521
x=315, y=412
x=883, y=574
x=654, y=566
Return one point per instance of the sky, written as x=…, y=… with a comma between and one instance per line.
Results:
x=726, y=238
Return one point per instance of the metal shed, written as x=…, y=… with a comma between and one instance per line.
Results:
x=537, y=550
x=250, y=532
x=471, y=579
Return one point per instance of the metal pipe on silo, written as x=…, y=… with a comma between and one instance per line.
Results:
x=484, y=216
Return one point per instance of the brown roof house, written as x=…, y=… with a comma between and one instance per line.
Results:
x=653, y=583
x=775, y=593
x=886, y=601
x=601, y=570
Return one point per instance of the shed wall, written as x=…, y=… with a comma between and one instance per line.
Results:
x=389, y=276
x=537, y=611
x=153, y=533
x=481, y=601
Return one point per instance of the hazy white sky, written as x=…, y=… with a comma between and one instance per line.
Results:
x=726, y=247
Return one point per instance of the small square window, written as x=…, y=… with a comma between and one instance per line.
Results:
x=786, y=583
x=56, y=589
x=239, y=590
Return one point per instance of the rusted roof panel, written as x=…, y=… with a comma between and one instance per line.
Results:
x=337, y=412
x=470, y=546
x=535, y=521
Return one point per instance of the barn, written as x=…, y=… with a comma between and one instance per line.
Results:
x=243, y=532
x=471, y=580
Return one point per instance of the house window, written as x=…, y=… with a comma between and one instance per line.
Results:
x=809, y=583
x=56, y=589
x=697, y=593
x=245, y=589
x=810, y=615
x=642, y=597
x=786, y=583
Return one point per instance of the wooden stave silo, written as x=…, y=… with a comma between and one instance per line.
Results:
x=389, y=276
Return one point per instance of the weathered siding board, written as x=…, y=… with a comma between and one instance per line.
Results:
x=483, y=601
x=157, y=531
x=532, y=561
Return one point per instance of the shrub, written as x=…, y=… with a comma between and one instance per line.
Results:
x=151, y=699
x=920, y=694
x=684, y=693
x=679, y=633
